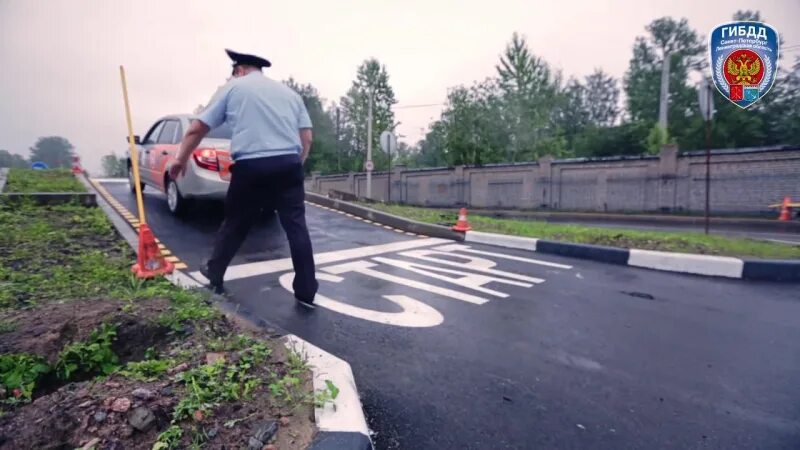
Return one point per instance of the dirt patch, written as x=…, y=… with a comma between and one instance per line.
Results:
x=77, y=413
x=45, y=330
x=122, y=411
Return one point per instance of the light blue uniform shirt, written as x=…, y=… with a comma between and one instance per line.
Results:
x=265, y=116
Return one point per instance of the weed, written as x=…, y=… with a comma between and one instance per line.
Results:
x=169, y=439
x=7, y=327
x=19, y=372
x=327, y=395
x=297, y=363
x=211, y=384
x=288, y=389
x=147, y=370
x=90, y=357
x=187, y=306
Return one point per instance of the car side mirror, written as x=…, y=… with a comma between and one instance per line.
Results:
x=136, y=139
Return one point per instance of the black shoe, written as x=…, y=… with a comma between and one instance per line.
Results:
x=215, y=286
x=305, y=302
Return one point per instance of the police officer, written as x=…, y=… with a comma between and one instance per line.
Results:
x=271, y=140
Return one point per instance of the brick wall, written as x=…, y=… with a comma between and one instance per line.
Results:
x=742, y=181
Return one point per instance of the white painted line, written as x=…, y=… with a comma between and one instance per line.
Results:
x=718, y=266
x=408, y=233
x=501, y=240
x=468, y=249
x=367, y=221
x=413, y=314
x=280, y=265
x=467, y=279
x=387, y=227
x=472, y=263
x=347, y=414
x=365, y=268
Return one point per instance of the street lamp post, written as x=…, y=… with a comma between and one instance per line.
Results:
x=369, y=146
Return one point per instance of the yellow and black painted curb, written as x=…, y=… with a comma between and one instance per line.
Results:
x=134, y=223
x=367, y=221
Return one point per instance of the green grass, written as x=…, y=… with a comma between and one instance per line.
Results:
x=682, y=242
x=55, y=180
x=68, y=253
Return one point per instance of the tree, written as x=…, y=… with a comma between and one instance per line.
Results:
x=667, y=38
x=530, y=95
x=324, y=146
x=433, y=148
x=12, y=160
x=55, y=151
x=372, y=79
x=753, y=16
x=572, y=112
x=783, y=114
x=114, y=166
x=601, y=99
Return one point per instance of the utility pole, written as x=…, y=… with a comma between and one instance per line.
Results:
x=710, y=108
x=338, y=147
x=706, y=103
x=664, y=97
x=369, y=146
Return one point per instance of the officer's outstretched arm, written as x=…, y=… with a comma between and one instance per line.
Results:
x=305, y=139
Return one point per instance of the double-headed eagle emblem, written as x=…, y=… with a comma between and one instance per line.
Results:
x=744, y=69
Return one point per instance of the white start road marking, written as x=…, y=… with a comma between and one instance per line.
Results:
x=414, y=314
x=468, y=270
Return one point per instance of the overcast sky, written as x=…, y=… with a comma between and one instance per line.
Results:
x=59, y=59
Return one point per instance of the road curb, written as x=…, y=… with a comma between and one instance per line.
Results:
x=401, y=223
x=340, y=427
x=705, y=265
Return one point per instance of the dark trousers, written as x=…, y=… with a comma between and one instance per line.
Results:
x=269, y=184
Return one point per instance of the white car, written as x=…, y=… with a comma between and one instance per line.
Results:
x=207, y=173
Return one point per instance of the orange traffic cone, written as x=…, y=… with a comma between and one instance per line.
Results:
x=462, y=224
x=150, y=263
x=786, y=213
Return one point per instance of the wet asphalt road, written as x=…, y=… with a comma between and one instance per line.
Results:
x=593, y=356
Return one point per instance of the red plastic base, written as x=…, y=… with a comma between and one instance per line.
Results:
x=150, y=262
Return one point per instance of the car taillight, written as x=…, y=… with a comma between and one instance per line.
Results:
x=207, y=159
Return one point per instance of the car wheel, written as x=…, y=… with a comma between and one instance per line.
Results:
x=131, y=182
x=175, y=201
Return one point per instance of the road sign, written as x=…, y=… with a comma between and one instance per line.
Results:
x=705, y=96
x=369, y=166
x=388, y=142
x=39, y=165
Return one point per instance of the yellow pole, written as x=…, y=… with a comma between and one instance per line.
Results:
x=134, y=153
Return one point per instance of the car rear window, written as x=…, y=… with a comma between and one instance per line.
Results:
x=221, y=132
